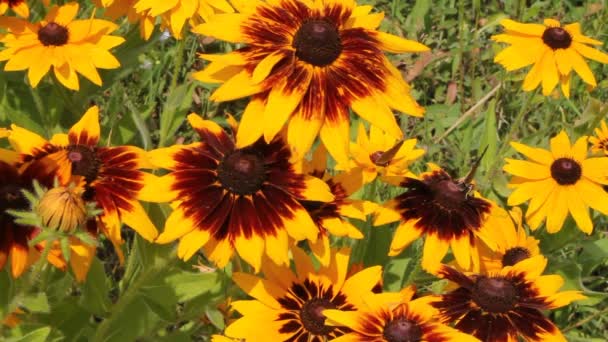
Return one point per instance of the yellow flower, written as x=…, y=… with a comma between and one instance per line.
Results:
x=600, y=141
x=70, y=46
x=553, y=50
x=116, y=9
x=447, y=213
x=289, y=307
x=306, y=63
x=390, y=317
x=381, y=153
x=513, y=246
x=557, y=182
x=505, y=305
x=228, y=199
x=175, y=13
x=20, y=7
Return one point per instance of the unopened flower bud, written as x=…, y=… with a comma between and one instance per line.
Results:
x=62, y=209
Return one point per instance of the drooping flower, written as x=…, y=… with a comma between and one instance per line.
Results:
x=111, y=175
x=558, y=182
x=306, y=64
x=229, y=198
x=552, y=50
x=599, y=143
x=175, y=13
x=290, y=306
x=330, y=217
x=20, y=7
x=69, y=45
x=513, y=245
x=506, y=305
x=447, y=212
x=389, y=318
x=381, y=153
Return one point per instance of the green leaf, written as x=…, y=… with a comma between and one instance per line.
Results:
x=95, y=290
x=38, y=335
x=174, y=112
x=216, y=317
x=37, y=302
x=593, y=253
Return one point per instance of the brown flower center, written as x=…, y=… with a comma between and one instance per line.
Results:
x=312, y=316
x=515, y=255
x=53, y=34
x=448, y=193
x=557, y=38
x=317, y=42
x=84, y=161
x=566, y=171
x=402, y=330
x=242, y=172
x=375, y=158
x=495, y=295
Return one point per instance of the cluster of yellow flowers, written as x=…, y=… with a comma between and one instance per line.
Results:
x=252, y=188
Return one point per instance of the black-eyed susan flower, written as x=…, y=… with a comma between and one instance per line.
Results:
x=175, y=13
x=447, y=212
x=553, y=50
x=115, y=9
x=228, y=198
x=307, y=63
x=60, y=41
x=290, y=306
x=557, y=182
x=381, y=153
x=513, y=245
x=111, y=175
x=20, y=7
x=395, y=317
x=599, y=143
x=506, y=305
x=330, y=217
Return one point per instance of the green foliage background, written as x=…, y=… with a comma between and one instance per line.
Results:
x=155, y=297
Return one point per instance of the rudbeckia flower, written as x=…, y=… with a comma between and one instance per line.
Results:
x=394, y=317
x=330, y=217
x=553, y=50
x=70, y=46
x=558, y=182
x=14, y=237
x=20, y=7
x=289, y=307
x=447, y=212
x=175, y=13
x=112, y=175
x=307, y=63
x=506, y=305
x=513, y=245
x=599, y=143
x=116, y=9
x=381, y=153
x=228, y=198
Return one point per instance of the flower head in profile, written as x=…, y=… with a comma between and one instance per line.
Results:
x=599, y=143
x=290, y=306
x=331, y=217
x=69, y=45
x=557, y=182
x=20, y=7
x=505, y=305
x=381, y=153
x=554, y=51
x=447, y=213
x=111, y=175
x=513, y=245
x=174, y=14
x=305, y=64
x=389, y=317
x=228, y=198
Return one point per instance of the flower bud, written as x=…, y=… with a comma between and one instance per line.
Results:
x=62, y=209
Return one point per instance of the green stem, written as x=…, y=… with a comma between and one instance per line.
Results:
x=129, y=295
x=513, y=130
